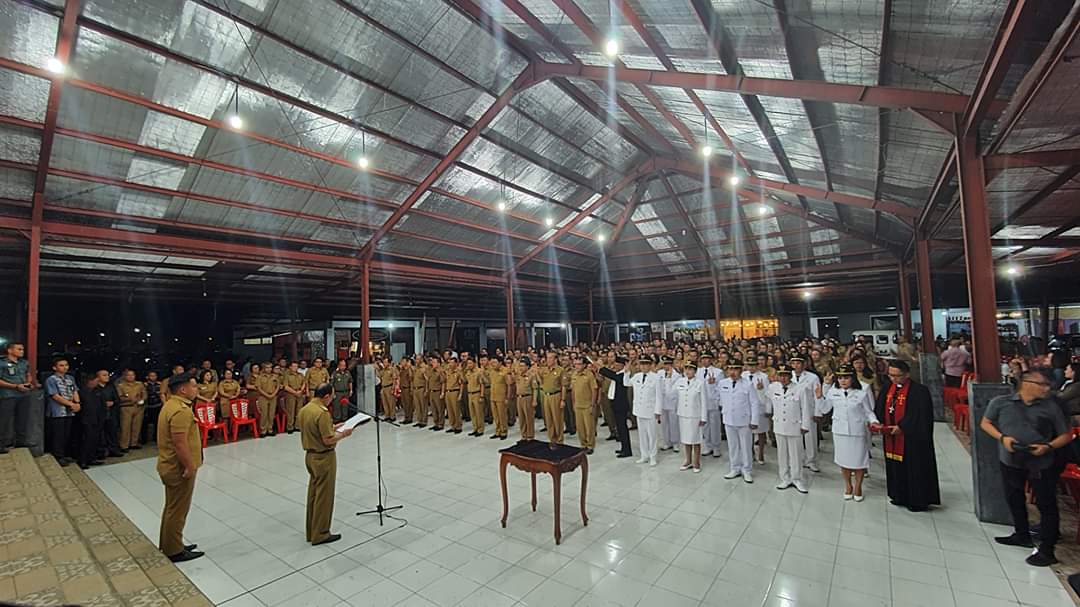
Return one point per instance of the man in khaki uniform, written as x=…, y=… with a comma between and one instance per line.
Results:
x=500, y=390
x=388, y=378
x=569, y=423
x=605, y=406
x=267, y=385
x=435, y=383
x=318, y=437
x=454, y=383
x=176, y=370
x=583, y=390
x=405, y=374
x=485, y=382
x=179, y=456
x=524, y=388
x=553, y=389
x=295, y=387
x=317, y=375
x=420, y=394
x=132, y=395
x=475, y=390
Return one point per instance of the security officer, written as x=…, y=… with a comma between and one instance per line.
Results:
x=524, y=388
x=343, y=388
x=388, y=386
x=405, y=374
x=295, y=386
x=500, y=390
x=267, y=384
x=228, y=389
x=553, y=388
x=475, y=389
x=436, y=380
x=179, y=456
x=318, y=436
x=132, y=396
x=421, y=395
x=584, y=391
x=453, y=384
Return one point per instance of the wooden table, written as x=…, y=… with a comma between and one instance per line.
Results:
x=538, y=457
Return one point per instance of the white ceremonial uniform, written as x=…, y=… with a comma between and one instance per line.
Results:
x=646, y=388
x=792, y=412
x=691, y=409
x=759, y=378
x=669, y=401
x=852, y=410
x=711, y=396
x=809, y=382
x=740, y=408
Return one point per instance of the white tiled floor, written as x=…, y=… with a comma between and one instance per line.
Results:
x=656, y=536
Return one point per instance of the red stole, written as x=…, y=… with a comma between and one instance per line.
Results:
x=895, y=403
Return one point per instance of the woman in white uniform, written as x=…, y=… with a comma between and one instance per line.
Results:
x=852, y=407
x=692, y=415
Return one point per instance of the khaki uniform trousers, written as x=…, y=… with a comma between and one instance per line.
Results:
x=453, y=408
x=322, y=476
x=609, y=416
x=389, y=402
x=586, y=426
x=553, y=417
x=292, y=405
x=438, y=408
x=498, y=412
x=527, y=415
x=131, y=419
x=476, y=411
x=406, y=404
x=420, y=405
x=224, y=407
x=178, y=491
x=267, y=410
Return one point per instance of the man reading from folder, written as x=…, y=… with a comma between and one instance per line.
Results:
x=318, y=436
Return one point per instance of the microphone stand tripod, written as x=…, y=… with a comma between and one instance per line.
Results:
x=380, y=508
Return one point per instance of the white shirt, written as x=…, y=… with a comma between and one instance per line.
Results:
x=668, y=395
x=791, y=409
x=739, y=402
x=809, y=382
x=646, y=390
x=710, y=395
x=690, y=394
x=851, y=409
x=758, y=378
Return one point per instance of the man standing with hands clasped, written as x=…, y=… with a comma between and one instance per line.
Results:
x=179, y=456
x=319, y=436
x=1029, y=426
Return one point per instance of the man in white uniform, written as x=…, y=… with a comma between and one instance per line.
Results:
x=809, y=382
x=792, y=413
x=667, y=377
x=760, y=381
x=741, y=408
x=645, y=385
x=710, y=376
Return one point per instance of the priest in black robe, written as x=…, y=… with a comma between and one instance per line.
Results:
x=906, y=412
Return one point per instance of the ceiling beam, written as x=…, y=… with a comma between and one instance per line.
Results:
x=1022, y=160
x=884, y=62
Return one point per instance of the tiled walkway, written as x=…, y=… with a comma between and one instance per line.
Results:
x=656, y=536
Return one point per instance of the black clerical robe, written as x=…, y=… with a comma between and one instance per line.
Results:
x=912, y=477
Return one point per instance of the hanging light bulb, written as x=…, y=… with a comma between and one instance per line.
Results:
x=706, y=150
x=501, y=206
x=734, y=180
x=763, y=210
x=1012, y=270
x=54, y=65
x=600, y=238
x=549, y=222
x=234, y=120
x=611, y=48
x=363, y=161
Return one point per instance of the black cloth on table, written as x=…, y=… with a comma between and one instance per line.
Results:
x=536, y=449
x=913, y=482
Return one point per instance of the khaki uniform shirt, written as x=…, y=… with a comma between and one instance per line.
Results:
x=294, y=380
x=405, y=375
x=583, y=386
x=387, y=377
x=552, y=379
x=499, y=384
x=524, y=384
x=176, y=417
x=268, y=383
x=131, y=393
x=229, y=388
x=454, y=379
x=206, y=391
x=315, y=423
x=435, y=379
x=473, y=383
x=317, y=376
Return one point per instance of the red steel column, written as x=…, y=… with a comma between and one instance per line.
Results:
x=905, y=303
x=365, y=313
x=978, y=259
x=716, y=303
x=33, y=287
x=509, y=315
x=926, y=296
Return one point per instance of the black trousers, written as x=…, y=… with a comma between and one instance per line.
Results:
x=88, y=442
x=568, y=418
x=58, y=435
x=110, y=431
x=1044, y=487
x=623, y=431
x=14, y=415
x=952, y=381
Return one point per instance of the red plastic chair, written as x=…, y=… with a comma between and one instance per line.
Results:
x=279, y=420
x=241, y=410
x=207, y=420
x=961, y=413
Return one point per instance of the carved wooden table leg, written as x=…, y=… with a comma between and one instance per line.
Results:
x=534, y=491
x=556, y=478
x=584, y=484
x=502, y=479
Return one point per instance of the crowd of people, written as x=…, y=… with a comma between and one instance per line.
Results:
x=685, y=397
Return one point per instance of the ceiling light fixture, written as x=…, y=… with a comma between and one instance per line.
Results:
x=234, y=120
x=706, y=150
x=807, y=295
x=549, y=222
x=363, y=161
x=611, y=48
x=1012, y=270
x=54, y=65
x=600, y=238
x=734, y=180
x=763, y=210
x=501, y=206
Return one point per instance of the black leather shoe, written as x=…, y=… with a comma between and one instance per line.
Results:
x=620, y=454
x=330, y=539
x=458, y=431
x=1015, y=540
x=186, y=555
x=589, y=451
x=612, y=437
x=1041, y=558
x=191, y=547
x=503, y=437
x=421, y=425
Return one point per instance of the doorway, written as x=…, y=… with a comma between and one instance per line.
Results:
x=828, y=327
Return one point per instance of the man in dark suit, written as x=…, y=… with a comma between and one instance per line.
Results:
x=907, y=414
x=91, y=419
x=620, y=402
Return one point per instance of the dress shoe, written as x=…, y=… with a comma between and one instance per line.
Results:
x=421, y=425
x=620, y=454
x=859, y=498
x=813, y=467
x=652, y=461
x=1041, y=558
x=84, y=466
x=458, y=431
x=732, y=474
x=1015, y=540
x=98, y=462
x=571, y=433
x=748, y=477
x=612, y=437
x=449, y=430
x=801, y=488
x=503, y=437
x=782, y=486
x=333, y=537
x=190, y=547
x=589, y=451
x=115, y=454
x=134, y=447
x=186, y=555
